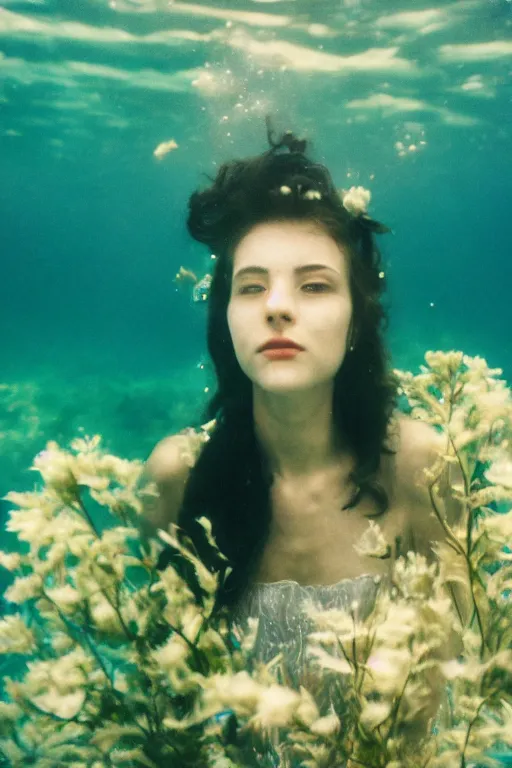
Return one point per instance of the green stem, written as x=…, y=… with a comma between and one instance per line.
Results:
x=458, y=546
x=463, y=756
x=87, y=516
x=117, y=694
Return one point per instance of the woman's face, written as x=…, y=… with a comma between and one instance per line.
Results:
x=290, y=279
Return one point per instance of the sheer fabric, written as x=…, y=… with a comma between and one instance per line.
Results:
x=284, y=627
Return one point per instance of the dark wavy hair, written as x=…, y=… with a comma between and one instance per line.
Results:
x=230, y=482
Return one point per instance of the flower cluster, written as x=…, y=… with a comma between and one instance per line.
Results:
x=309, y=194
x=356, y=200
x=126, y=667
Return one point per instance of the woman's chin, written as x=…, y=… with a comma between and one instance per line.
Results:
x=286, y=385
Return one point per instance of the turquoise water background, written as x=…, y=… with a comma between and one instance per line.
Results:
x=411, y=100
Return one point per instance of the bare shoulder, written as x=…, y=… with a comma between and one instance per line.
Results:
x=168, y=466
x=418, y=430
x=419, y=446
x=173, y=457
x=169, y=459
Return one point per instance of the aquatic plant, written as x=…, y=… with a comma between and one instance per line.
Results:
x=127, y=665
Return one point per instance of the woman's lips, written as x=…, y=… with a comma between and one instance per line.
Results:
x=281, y=353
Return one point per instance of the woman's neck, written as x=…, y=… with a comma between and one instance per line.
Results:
x=297, y=432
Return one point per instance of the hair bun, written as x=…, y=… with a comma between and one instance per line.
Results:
x=215, y=211
x=241, y=186
x=288, y=140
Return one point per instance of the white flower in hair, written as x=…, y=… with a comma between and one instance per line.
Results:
x=356, y=200
x=310, y=194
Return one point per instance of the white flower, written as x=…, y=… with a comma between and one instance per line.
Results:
x=104, y=615
x=327, y=661
x=374, y=713
x=500, y=472
x=58, y=685
x=10, y=560
x=172, y=654
x=123, y=471
x=276, y=706
x=55, y=557
x=9, y=712
x=312, y=194
x=326, y=726
x=387, y=671
x=56, y=468
x=478, y=365
x=24, y=588
x=207, y=429
x=65, y=706
x=15, y=636
x=395, y=629
x=414, y=575
x=191, y=620
x=30, y=524
x=497, y=526
x=61, y=642
x=240, y=692
x=26, y=500
x=307, y=712
x=373, y=543
x=356, y=200
x=284, y=190
x=207, y=580
x=65, y=597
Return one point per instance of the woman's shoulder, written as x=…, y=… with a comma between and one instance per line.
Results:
x=168, y=466
x=404, y=431
x=419, y=445
x=416, y=433
x=175, y=454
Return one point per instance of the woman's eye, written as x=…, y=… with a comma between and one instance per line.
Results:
x=319, y=287
x=316, y=285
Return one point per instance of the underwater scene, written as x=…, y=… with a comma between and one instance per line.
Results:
x=389, y=123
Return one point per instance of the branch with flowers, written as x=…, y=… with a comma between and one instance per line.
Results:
x=126, y=666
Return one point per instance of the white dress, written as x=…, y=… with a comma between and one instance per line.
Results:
x=283, y=625
x=283, y=628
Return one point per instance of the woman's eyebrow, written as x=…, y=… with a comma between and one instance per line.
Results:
x=298, y=270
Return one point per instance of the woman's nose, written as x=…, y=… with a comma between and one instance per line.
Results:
x=282, y=315
x=279, y=300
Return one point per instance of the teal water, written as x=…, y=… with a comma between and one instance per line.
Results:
x=409, y=99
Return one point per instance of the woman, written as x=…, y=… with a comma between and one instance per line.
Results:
x=308, y=443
